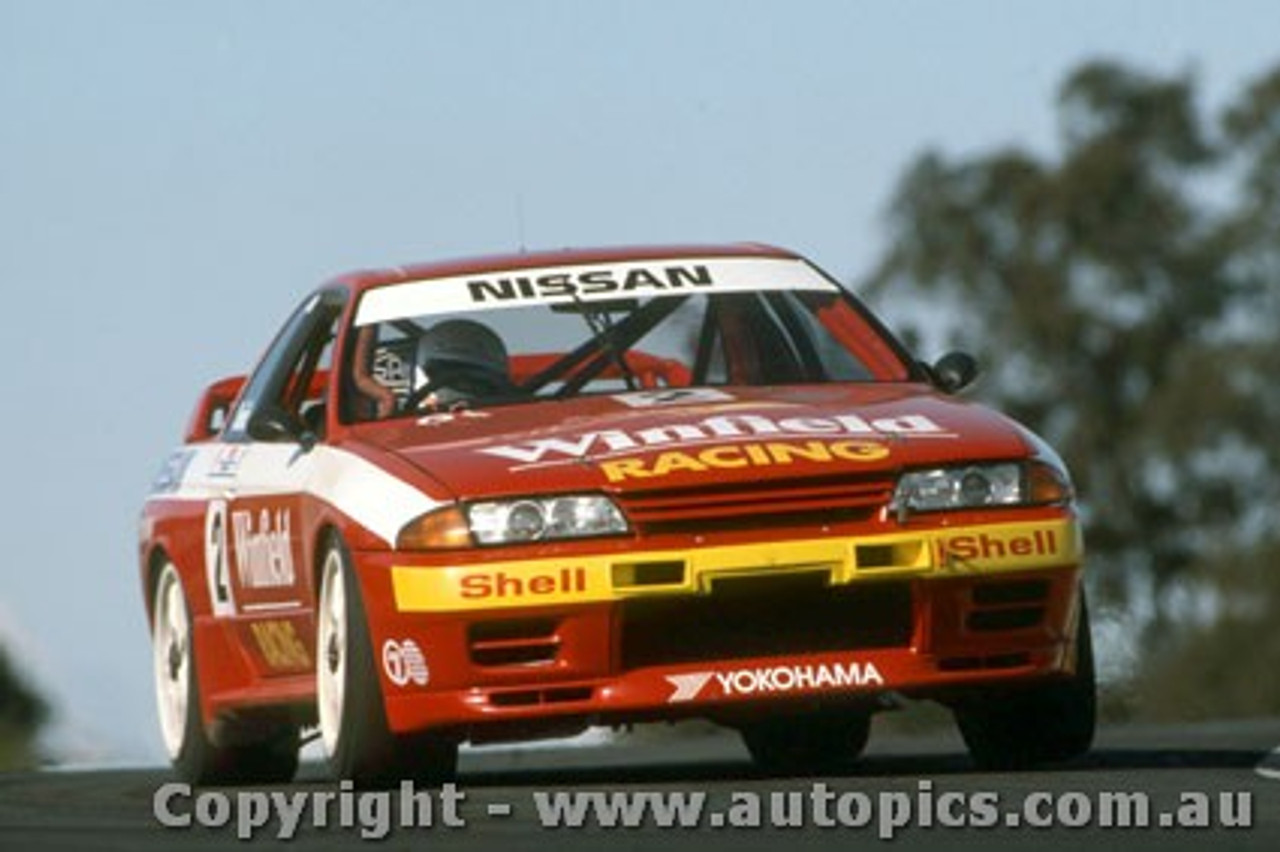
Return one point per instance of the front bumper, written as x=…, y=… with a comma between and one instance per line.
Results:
x=720, y=631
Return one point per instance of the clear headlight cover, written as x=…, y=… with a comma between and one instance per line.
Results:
x=961, y=487
x=545, y=518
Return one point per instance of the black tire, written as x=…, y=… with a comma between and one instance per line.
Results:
x=1033, y=725
x=353, y=720
x=251, y=751
x=273, y=759
x=826, y=741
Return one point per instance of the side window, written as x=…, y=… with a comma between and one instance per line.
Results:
x=380, y=363
x=836, y=361
x=757, y=348
x=294, y=371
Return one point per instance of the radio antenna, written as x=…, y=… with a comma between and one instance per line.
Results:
x=520, y=222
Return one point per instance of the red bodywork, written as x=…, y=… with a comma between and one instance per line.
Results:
x=741, y=586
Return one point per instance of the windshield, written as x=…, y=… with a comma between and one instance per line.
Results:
x=427, y=346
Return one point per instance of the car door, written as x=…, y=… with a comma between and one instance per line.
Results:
x=258, y=532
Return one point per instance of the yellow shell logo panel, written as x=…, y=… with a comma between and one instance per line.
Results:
x=590, y=579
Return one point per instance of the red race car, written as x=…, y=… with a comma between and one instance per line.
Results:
x=513, y=497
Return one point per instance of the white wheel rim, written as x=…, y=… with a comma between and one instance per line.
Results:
x=171, y=660
x=331, y=651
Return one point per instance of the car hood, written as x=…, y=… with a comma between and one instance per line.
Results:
x=696, y=437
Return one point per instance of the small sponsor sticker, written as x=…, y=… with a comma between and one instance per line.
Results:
x=446, y=417
x=263, y=548
x=169, y=478
x=280, y=644
x=777, y=679
x=391, y=370
x=672, y=396
x=499, y=584
x=958, y=550
x=404, y=663
x=730, y=456
x=227, y=462
x=687, y=686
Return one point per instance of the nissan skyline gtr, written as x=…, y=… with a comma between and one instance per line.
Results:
x=506, y=498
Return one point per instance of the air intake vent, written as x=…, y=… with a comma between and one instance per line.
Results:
x=628, y=575
x=513, y=642
x=765, y=616
x=1008, y=605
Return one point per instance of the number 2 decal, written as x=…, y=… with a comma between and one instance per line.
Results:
x=216, y=563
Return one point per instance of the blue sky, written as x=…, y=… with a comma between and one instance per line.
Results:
x=173, y=176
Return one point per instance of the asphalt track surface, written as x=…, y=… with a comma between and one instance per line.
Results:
x=113, y=809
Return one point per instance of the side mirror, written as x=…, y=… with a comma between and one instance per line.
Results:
x=954, y=372
x=272, y=424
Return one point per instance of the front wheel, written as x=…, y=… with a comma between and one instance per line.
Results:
x=807, y=743
x=353, y=718
x=1045, y=723
x=267, y=753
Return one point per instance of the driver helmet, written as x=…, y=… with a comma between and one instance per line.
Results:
x=460, y=342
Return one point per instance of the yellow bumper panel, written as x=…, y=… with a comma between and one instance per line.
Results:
x=589, y=579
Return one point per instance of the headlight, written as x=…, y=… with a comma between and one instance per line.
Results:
x=538, y=519
x=1032, y=483
x=514, y=522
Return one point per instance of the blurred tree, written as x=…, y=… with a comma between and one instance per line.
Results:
x=1124, y=300
x=1228, y=666
x=22, y=713
x=1252, y=235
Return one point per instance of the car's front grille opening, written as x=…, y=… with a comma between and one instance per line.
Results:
x=513, y=641
x=765, y=615
x=757, y=505
x=902, y=554
x=1007, y=605
x=629, y=575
